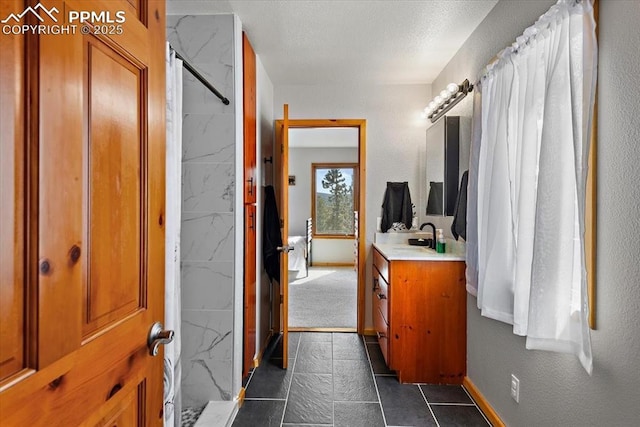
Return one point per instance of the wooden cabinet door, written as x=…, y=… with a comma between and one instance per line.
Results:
x=249, y=287
x=250, y=111
x=249, y=118
x=83, y=279
x=428, y=321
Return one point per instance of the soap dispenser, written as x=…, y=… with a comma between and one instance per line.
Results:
x=440, y=243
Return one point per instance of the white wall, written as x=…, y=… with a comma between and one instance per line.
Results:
x=395, y=137
x=264, y=138
x=554, y=389
x=332, y=251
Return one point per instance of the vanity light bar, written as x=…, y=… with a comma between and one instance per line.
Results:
x=449, y=97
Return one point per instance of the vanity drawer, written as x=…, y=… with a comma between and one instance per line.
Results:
x=381, y=264
x=381, y=312
x=381, y=299
x=382, y=332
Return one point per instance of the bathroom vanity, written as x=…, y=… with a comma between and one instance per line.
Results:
x=419, y=312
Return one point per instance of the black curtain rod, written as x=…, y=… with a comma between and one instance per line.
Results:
x=199, y=76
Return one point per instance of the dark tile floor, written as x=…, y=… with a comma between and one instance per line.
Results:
x=340, y=379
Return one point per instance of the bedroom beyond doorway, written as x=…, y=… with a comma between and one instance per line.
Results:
x=326, y=298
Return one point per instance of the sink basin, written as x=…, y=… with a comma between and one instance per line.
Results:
x=420, y=242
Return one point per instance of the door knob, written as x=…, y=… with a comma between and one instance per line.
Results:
x=158, y=336
x=285, y=249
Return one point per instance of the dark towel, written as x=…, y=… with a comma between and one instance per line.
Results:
x=435, y=200
x=271, y=237
x=459, y=225
x=396, y=206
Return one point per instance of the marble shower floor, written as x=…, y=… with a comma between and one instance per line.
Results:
x=340, y=379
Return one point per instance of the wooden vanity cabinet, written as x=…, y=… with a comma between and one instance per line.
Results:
x=420, y=317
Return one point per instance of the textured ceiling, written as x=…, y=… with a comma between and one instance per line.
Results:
x=323, y=41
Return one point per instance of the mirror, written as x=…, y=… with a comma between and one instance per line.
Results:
x=442, y=167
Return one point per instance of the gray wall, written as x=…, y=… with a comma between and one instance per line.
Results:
x=208, y=200
x=554, y=389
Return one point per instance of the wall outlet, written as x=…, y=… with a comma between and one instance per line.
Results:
x=515, y=388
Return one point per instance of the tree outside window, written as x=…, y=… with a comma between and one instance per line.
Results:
x=334, y=195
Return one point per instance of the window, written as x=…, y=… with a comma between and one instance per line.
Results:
x=334, y=198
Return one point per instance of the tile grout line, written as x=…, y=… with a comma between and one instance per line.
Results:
x=250, y=377
x=477, y=407
x=428, y=406
x=375, y=384
x=295, y=361
x=264, y=399
x=451, y=404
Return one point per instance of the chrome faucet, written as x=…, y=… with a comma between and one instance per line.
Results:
x=432, y=245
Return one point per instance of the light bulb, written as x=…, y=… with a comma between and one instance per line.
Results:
x=432, y=105
x=438, y=100
x=445, y=95
x=452, y=88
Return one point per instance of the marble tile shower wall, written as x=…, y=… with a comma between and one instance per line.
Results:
x=207, y=238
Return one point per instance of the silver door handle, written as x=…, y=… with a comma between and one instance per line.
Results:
x=285, y=249
x=158, y=336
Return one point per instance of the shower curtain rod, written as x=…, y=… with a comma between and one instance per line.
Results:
x=199, y=76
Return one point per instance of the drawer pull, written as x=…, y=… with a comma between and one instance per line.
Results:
x=380, y=335
x=381, y=296
x=375, y=284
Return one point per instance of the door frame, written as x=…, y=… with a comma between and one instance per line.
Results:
x=361, y=125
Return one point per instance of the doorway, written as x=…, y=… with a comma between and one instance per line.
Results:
x=335, y=257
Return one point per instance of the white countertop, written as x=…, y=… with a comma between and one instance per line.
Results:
x=455, y=251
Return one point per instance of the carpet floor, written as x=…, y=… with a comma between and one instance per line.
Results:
x=326, y=298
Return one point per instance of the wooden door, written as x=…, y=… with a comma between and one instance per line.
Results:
x=83, y=279
x=283, y=208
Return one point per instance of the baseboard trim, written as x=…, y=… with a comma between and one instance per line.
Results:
x=322, y=329
x=333, y=264
x=240, y=398
x=484, y=405
x=258, y=359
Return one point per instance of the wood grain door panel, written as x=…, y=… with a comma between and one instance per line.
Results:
x=13, y=291
x=116, y=149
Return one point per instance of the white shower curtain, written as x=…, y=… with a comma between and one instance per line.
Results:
x=537, y=103
x=172, y=318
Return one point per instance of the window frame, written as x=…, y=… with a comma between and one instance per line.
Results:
x=356, y=196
